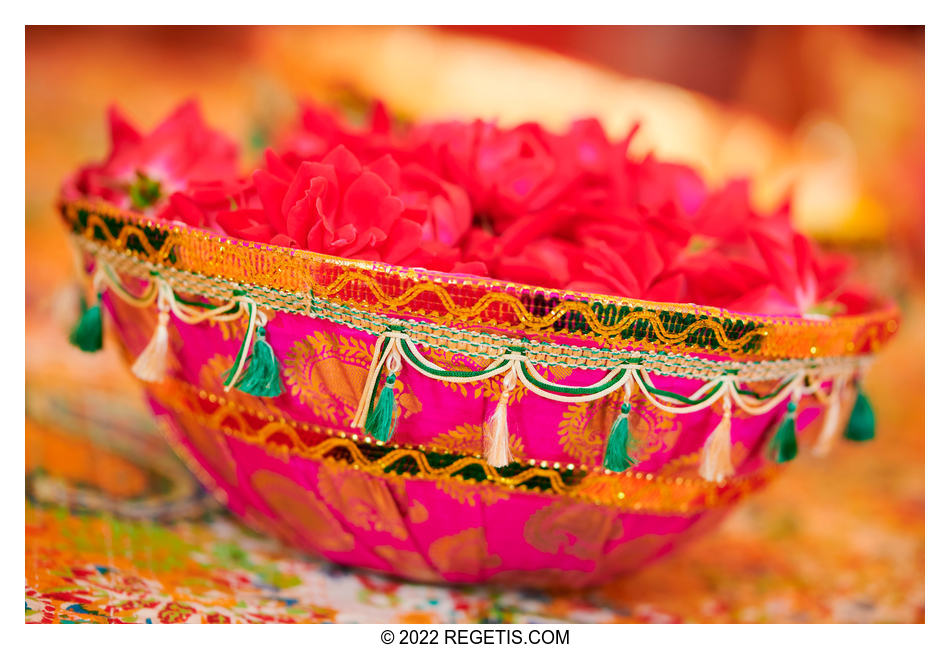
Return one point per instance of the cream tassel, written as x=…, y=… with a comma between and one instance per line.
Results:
x=497, y=450
x=384, y=346
x=151, y=364
x=831, y=426
x=716, y=463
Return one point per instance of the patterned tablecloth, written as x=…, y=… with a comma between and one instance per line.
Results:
x=117, y=530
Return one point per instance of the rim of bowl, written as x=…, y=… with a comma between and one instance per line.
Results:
x=792, y=336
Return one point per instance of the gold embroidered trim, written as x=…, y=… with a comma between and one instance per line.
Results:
x=225, y=403
x=474, y=302
x=630, y=491
x=478, y=344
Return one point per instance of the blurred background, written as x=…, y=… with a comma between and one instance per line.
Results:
x=833, y=117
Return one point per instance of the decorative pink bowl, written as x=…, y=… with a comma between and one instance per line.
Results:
x=427, y=505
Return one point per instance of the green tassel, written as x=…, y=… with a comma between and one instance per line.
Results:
x=616, y=457
x=861, y=423
x=784, y=446
x=261, y=378
x=379, y=422
x=87, y=334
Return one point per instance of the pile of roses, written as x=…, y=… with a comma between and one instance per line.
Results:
x=567, y=210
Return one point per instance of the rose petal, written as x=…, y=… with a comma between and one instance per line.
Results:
x=369, y=201
x=403, y=239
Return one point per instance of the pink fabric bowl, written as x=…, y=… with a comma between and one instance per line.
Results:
x=419, y=527
x=425, y=506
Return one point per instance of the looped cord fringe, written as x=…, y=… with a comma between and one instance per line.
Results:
x=497, y=444
x=716, y=461
x=393, y=347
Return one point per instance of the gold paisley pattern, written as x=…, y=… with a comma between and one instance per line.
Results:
x=630, y=554
x=651, y=430
x=577, y=529
x=555, y=373
x=470, y=494
x=579, y=440
x=363, y=501
x=212, y=448
x=583, y=429
x=418, y=512
x=453, y=361
x=210, y=379
x=468, y=439
x=232, y=329
x=464, y=553
x=307, y=517
x=632, y=490
x=327, y=372
x=490, y=390
x=406, y=563
x=409, y=404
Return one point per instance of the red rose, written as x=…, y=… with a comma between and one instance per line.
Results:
x=341, y=207
x=739, y=259
x=142, y=170
x=526, y=170
x=198, y=205
x=654, y=184
x=566, y=210
x=319, y=130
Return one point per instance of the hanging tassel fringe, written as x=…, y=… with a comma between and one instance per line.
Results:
x=831, y=424
x=87, y=334
x=497, y=448
x=261, y=378
x=784, y=445
x=381, y=352
x=256, y=370
x=381, y=420
x=716, y=462
x=616, y=457
x=861, y=423
x=151, y=363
